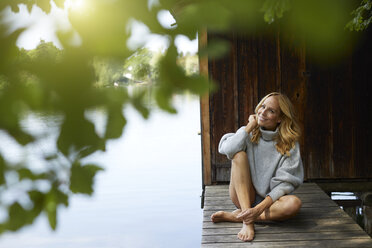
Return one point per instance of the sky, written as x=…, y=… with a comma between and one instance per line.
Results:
x=42, y=26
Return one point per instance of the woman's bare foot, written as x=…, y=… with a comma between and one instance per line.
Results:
x=247, y=232
x=221, y=216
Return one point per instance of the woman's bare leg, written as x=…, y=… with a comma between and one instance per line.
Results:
x=284, y=208
x=242, y=194
x=222, y=216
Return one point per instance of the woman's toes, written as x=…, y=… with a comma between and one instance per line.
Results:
x=217, y=216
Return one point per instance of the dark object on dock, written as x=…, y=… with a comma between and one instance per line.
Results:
x=320, y=223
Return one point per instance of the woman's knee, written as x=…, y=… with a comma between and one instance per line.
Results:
x=240, y=156
x=293, y=204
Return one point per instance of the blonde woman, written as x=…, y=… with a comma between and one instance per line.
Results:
x=266, y=166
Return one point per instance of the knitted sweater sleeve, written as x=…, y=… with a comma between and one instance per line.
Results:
x=288, y=176
x=231, y=143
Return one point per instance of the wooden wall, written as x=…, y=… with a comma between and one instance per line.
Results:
x=333, y=103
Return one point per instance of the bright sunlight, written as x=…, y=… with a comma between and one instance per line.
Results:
x=75, y=5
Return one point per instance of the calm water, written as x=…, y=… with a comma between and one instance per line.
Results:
x=148, y=195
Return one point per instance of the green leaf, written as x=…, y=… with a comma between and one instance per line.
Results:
x=44, y=5
x=82, y=178
x=61, y=197
x=51, y=157
x=51, y=209
x=59, y=3
x=199, y=84
x=17, y=217
x=30, y=5
x=25, y=173
x=115, y=123
x=199, y=14
x=77, y=133
x=2, y=170
x=274, y=9
x=38, y=199
x=52, y=200
x=86, y=151
x=362, y=17
x=163, y=99
x=103, y=39
x=20, y=136
x=215, y=49
x=138, y=103
x=14, y=7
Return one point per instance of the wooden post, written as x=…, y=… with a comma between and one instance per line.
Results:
x=204, y=112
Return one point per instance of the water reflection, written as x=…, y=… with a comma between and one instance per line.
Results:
x=148, y=195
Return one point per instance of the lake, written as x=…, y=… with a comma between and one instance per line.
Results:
x=148, y=195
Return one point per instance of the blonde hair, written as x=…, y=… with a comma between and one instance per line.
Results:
x=289, y=129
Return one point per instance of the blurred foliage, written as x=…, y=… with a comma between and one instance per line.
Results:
x=67, y=84
x=107, y=71
x=143, y=65
x=362, y=16
x=190, y=63
x=274, y=9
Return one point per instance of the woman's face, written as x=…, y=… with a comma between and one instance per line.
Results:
x=268, y=115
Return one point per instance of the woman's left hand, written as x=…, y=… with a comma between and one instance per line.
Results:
x=249, y=215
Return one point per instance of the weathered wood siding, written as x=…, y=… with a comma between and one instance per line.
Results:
x=333, y=103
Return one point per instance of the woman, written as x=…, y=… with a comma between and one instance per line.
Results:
x=266, y=166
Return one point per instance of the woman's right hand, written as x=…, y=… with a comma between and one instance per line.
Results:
x=252, y=123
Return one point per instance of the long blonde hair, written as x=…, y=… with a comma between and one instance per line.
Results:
x=289, y=129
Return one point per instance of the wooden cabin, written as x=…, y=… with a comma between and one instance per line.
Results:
x=333, y=102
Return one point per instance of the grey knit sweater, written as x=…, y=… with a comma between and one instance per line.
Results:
x=272, y=173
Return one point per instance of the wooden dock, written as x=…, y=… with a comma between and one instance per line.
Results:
x=320, y=223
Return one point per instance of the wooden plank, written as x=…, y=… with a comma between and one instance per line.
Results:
x=304, y=227
x=299, y=236
x=268, y=63
x=320, y=223
x=204, y=112
x=317, y=156
x=222, y=108
x=362, y=88
x=294, y=77
x=343, y=155
x=360, y=243
x=247, y=76
x=235, y=83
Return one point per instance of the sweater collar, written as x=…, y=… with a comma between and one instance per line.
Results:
x=269, y=135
